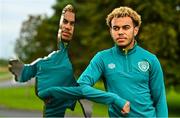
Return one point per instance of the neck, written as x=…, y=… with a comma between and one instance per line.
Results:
x=63, y=44
x=130, y=46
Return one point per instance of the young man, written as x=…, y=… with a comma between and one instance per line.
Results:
x=53, y=70
x=129, y=71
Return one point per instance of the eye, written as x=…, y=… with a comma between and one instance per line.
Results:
x=72, y=23
x=116, y=28
x=126, y=27
x=65, y=21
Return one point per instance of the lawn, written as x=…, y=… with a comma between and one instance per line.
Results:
x=24, y=98
x=20, y=98
x=4, y=73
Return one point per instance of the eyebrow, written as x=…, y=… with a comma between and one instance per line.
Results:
x=121, y=26
x=69, y=20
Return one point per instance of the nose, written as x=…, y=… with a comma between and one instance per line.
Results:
x=120, y=31
x=67, y=26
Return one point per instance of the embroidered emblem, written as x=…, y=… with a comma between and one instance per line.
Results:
x=111, y=66
x=143, y=66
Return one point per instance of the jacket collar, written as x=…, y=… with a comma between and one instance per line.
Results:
x=63, y=45
x=124, y=51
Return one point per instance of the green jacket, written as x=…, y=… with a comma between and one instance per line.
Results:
x=135, y=76
x=53, y=70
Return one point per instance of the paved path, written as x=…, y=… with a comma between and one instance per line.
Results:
x=4, y=112
x=19, y=113
x=12, y=83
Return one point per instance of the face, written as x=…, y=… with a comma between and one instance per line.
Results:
x=123, y=31
x=66, y=26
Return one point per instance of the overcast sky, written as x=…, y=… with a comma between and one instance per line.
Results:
x=12, y=14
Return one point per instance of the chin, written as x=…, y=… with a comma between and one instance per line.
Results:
x=121, y=45
x=66, y=40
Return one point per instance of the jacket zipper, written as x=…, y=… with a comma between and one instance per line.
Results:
x=126, y=60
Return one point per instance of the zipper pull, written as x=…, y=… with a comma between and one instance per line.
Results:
x=125, y=51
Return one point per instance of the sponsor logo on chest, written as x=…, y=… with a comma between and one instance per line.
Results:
x=111, y=66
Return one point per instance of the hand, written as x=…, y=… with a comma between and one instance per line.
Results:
x=15, y=67
x=126, y=108
x=47, y=100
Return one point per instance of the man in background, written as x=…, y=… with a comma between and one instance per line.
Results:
x=53, y=70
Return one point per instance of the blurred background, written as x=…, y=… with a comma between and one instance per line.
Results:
x=28, y=30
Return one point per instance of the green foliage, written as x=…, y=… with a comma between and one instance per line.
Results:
x=3, y=62
x=159, y=32
x=27, y=45
x=173, y=99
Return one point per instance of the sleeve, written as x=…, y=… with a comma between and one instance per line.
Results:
x=103, y=97
x=29, y=71
x=81, y=92
x=93, y=71
x=84, y=90
x=90, y=76
x=157, y=89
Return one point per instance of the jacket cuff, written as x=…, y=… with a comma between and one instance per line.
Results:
x=120, y=102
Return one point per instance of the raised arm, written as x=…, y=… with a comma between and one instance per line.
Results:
x=23, y=72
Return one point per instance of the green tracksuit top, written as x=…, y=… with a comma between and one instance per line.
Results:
x=53, y=70
x=135, y=76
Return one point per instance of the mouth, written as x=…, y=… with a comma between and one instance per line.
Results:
x=66, y=34
x=121, y=39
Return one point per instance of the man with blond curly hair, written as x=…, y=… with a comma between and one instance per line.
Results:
x=132, y=75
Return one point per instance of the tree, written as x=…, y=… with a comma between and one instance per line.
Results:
x=26, y=44
x=159, y=32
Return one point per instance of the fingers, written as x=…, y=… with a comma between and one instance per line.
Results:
x=10, y=65
x=126, y=108
x=10, y=68
x=15, y=77
x=11, y=61
x=15, y=66
x=47, y=100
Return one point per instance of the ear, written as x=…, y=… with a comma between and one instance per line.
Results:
x=136, y=30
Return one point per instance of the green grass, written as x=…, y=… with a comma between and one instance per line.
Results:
x=20, y=98
x=25, y=98
x=5, y=74
x=98, y=110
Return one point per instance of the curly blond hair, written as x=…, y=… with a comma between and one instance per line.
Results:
x=123, y=12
